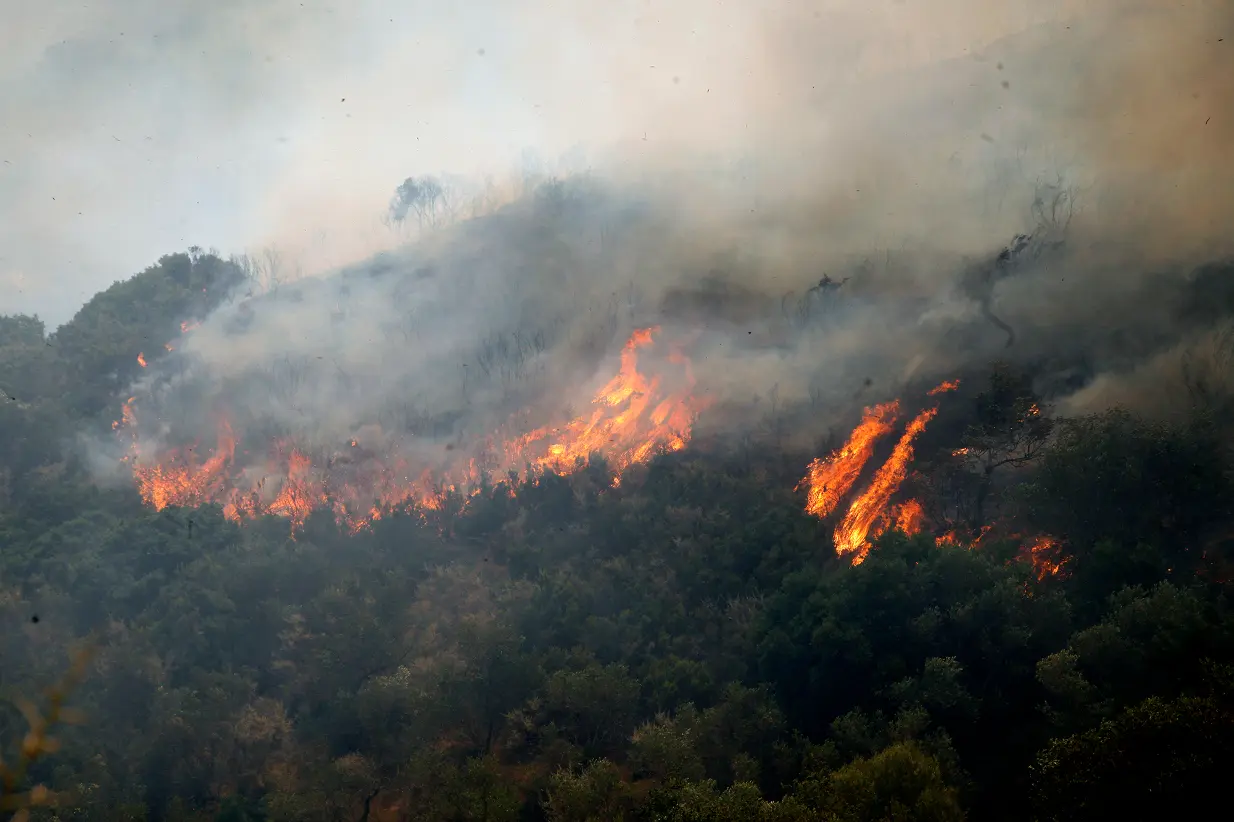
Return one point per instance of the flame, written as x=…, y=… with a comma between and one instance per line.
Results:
x=141, y=359
x=950, y=385
x=188, y=325
x=1045, y=554
x=633, y=417
x=851, y=534
x=828, y=480
x=955, y=538
x=910, y=517
x=948, y=538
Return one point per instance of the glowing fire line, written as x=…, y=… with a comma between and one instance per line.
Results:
x=830, y=479
x=631, y=420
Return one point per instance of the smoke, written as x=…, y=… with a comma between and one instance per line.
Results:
x=735, y=155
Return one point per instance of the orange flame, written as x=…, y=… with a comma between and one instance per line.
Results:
x=828, y=480
x=1045, y=556
x=851, y=534
x=910, y=517
x=141, y=359
x=950, y=385
x=633, y=418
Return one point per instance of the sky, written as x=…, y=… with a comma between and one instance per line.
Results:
x=137, y=128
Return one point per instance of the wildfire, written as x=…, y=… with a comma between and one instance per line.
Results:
x=910, y=517
x=633, y=417
x=851, y=533
x=829, y=479
x=1045, y=554
x=950, y=385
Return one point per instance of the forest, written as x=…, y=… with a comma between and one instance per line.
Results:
x=683, y=643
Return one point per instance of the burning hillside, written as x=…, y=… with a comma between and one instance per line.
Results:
x=829, y=480
x=647, y=407
x=633, y=416
x=871, y=512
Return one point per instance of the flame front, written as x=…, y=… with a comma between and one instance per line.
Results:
x=829, y=479
x=1044, y=554
x=851, y=533
x=949, y=385
x=633, y=417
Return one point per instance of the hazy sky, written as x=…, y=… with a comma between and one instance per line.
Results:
x=136, y=128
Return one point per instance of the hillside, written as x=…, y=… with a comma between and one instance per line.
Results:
x=967, y=605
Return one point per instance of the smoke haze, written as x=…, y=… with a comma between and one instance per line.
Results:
x=713, y=162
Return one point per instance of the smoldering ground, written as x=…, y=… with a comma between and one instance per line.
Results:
x=1101, y=134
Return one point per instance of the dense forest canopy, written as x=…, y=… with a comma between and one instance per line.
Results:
x=853, y=442
x=961, y=604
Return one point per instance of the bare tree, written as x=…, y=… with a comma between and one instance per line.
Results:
x=435, y=202
x=265, y=270
x=429, y=199
x=1053, y=209
x=1011, y=430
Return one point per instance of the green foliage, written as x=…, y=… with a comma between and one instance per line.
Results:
x=901, y=782
x=1160, y=759
x=1132, y=499
x=1150, y=643
x=597, y=793
x=682, y=647
x=98, y=348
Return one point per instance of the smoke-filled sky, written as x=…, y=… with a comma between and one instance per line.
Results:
x=135, y=128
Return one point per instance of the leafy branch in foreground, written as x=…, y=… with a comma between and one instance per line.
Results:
x=38, y=742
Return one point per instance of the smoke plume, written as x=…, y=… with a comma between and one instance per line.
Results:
x=813, y=205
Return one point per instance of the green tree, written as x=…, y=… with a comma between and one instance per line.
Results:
x=901, y=782
x=1160, y=759
x=1132, y=499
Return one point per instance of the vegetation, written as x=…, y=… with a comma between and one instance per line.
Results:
x=685, y=646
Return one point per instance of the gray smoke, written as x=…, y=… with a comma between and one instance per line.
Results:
x=859, y=235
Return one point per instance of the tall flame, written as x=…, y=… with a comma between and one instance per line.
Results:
x=851, y=533
x=632, y=418
x=829, y=479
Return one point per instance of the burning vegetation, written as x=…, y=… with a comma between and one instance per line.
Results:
x=640, y=412
x=634, y=416
x=871, y=512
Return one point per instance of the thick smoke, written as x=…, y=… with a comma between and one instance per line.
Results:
x=843, y=225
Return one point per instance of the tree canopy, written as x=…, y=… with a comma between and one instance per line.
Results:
x=685, y=645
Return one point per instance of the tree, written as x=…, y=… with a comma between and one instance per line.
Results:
x=1154, y=642
x=1161, y=759
x=901, y=782
x=594, y=794
x=1010, y=430
x=432, y=200
x=1132, y=499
